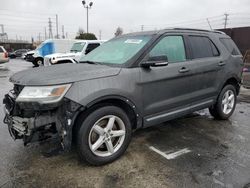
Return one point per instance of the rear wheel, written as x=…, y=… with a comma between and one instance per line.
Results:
x=104, y=135
x=225, y=104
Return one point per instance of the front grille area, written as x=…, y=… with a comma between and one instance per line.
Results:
x=17, y=89
x=9, y=103
x=10, y=100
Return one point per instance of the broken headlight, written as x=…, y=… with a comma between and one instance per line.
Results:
x=43, y=94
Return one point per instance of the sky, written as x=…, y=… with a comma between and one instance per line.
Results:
x=27, y=18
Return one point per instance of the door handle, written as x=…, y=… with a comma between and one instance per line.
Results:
x=221, y=63
x=183, y=70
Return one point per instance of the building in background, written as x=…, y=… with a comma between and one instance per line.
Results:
x=241, y=36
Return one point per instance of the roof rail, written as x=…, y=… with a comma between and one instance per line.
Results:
x=220, y=32
x=204, y=30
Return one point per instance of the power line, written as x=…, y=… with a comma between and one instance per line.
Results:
x=22, y=16
x=27, y=12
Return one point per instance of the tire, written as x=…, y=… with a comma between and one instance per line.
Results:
x=38, y=62
x=95, y=127
x=225, y=105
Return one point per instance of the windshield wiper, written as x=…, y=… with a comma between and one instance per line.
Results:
x=90, y=62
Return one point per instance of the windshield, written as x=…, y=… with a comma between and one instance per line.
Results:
x=117, y=51
x=77, y=47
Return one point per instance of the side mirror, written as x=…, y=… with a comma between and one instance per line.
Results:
x=155, y=61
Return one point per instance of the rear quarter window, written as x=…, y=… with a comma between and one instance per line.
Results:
x=230, y=46
x=1, y=50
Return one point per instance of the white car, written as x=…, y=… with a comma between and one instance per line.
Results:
x=3, y=55
x=49, y=46
x=79, y=49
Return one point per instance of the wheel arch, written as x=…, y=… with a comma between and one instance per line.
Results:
x=233, y=81
x=37, y=58
x=122, y=102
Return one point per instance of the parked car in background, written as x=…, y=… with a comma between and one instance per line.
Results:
x=49, y=46
x=3, y=55
x=79, y=49
x=132, y=81
x=18, y=53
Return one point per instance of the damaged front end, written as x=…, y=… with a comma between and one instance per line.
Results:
x=33, y=117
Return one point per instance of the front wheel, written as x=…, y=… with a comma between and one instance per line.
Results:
x=38, y=62
x=104, y=135
x=225, y=104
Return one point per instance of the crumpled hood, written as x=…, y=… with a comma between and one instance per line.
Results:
x=61, y=74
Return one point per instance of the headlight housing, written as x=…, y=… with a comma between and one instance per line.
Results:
x=43, y=94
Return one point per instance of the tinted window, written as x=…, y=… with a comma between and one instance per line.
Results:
x=172, y=47
x=91, y=47
x=1, y=50
x=230, y=46
x=202, y=47
x=214, y=49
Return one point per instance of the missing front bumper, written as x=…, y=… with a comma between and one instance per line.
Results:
x=39, y=125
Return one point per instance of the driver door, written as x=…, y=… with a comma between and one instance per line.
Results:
x=167, y=90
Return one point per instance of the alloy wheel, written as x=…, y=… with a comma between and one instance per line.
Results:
x=107, y=136
x=228, y=102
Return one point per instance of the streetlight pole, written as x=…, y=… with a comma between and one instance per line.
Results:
x=87, y=7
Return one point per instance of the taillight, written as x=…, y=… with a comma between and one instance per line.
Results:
x=5, y=55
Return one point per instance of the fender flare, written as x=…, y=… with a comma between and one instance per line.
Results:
x=129, y=102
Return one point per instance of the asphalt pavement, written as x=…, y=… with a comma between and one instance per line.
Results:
x=195, y=151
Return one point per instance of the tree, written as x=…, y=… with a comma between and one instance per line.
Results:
x=85, y=36
x=80, y=31
x=118, y=31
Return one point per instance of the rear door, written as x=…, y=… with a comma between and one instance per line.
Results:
x=206, y=66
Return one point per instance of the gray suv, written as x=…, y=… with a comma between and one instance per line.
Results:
x=133, y=81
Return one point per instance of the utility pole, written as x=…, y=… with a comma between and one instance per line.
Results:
x=226, y=20
x=100, y=34
x=39, y=37
x=45, y=33
x=209, y=24
x=87, y=7
x=142, y=27
x=57, y=35
x=50, y=29
x=63, y=36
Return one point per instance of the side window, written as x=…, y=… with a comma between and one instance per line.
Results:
x=1, y=50
x=202, y=47
x=214, y=49
x=170, y=46
x=91, y=47
x=230, y=46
